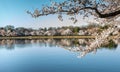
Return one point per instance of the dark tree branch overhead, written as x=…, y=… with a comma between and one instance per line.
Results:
x=110, y=14
x=106, y=15
x=98, y=8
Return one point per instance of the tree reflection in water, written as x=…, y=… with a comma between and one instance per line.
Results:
x=74, y=45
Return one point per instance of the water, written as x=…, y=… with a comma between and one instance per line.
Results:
x=55, y=56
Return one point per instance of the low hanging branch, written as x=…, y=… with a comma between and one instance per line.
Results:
x=98, y=8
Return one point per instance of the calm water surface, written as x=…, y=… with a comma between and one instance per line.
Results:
x=25, y=56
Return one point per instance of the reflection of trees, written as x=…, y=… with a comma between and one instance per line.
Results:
x=74, y=45
x=83, y=50
x=110, y=45
x=9, y=44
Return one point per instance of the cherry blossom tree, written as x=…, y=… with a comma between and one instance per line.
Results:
x=102, y=10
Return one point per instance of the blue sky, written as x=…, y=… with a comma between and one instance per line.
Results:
x=13, y=12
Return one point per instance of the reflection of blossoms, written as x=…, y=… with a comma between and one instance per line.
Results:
x=100, y=40
x=81, y=46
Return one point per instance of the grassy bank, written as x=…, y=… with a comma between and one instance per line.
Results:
x=46, y=37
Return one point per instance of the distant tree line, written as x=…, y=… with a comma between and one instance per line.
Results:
x=91, y=29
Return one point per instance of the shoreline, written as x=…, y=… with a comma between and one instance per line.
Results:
x=51, y=37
